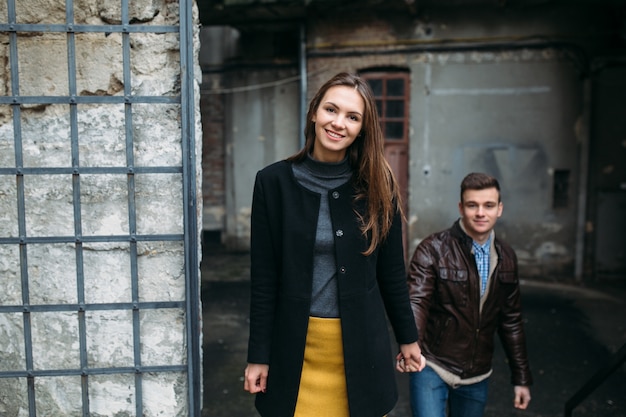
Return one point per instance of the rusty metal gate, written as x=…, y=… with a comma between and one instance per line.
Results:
x=16, y=239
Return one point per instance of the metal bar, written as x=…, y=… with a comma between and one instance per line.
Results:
x=91, y=239
x=194, y=315
x=132, y=212
x=78, y=247
x=94, y=371
x=594, y=382
x=91, y=170
x=136, y=321
x=15, y=99
x=30, y=27
x=43, y=308
x=19, y=162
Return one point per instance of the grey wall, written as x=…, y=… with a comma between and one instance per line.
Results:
x=508, y=114
x=262, y=127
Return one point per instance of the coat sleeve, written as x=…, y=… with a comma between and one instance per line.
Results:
x=264, y=271
x=421, y=279
x=511, y=325
x=391, y=280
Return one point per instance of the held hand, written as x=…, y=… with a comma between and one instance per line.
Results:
x=410, y=358
x=522, y=397
x=255, y=377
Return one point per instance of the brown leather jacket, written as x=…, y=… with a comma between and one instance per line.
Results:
x=453, y=332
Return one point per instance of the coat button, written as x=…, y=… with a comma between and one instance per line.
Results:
x=342, y=270
x=335, y=194
x=339, y=233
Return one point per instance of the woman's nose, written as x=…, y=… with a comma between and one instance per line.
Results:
x=338, y=121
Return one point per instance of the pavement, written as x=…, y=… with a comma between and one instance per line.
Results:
x=573, y=332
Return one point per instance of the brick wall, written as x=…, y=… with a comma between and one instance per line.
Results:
x=213, y=157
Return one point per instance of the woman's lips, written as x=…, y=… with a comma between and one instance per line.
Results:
x=334, y=135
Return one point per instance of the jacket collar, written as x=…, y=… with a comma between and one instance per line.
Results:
x=458, y=231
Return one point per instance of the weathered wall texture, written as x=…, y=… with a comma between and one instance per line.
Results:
x=510, y=111
x=498, y=90
x=267, y=135
x=96, y=272
x=254, y=123
x=512, y=114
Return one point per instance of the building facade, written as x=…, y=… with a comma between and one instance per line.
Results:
x=526, y=91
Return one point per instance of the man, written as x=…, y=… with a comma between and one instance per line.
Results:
x=464, y=288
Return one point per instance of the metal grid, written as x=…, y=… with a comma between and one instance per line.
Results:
x=188, y=238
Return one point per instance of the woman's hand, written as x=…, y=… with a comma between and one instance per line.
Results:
x=255, y=377
x=410, y=358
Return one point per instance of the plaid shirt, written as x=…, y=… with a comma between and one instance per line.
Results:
x=481, y=254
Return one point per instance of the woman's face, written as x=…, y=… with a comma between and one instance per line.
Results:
x=338, y=121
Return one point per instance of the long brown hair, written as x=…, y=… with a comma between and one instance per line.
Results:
x=374, y=180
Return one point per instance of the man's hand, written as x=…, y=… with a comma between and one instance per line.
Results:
x=255, y=377
x=522, y=397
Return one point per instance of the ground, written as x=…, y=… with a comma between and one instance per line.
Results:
x=572, y=333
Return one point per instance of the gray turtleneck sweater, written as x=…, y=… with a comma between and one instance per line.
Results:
x=321, y=177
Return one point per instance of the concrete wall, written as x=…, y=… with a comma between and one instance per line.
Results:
x=262, y=129
x=511, y=115
x=91, y=272
x=513, y=111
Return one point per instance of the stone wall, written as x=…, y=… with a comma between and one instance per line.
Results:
x=92, y=220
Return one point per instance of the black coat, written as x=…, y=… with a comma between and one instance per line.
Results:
x=284, y=224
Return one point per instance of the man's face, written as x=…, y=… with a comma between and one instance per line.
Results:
x=479, y=211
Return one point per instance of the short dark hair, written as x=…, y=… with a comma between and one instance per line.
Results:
x=479, y=181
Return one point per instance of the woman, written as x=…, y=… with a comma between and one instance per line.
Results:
x=326, y=263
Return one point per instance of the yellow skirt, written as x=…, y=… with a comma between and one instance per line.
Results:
x=322, y=389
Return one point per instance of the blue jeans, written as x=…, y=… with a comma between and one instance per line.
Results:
x=431, y=396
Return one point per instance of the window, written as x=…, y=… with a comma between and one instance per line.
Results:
x=391, y=91
x=560, y=188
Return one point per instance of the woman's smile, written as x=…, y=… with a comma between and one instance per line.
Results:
x=334, y=135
